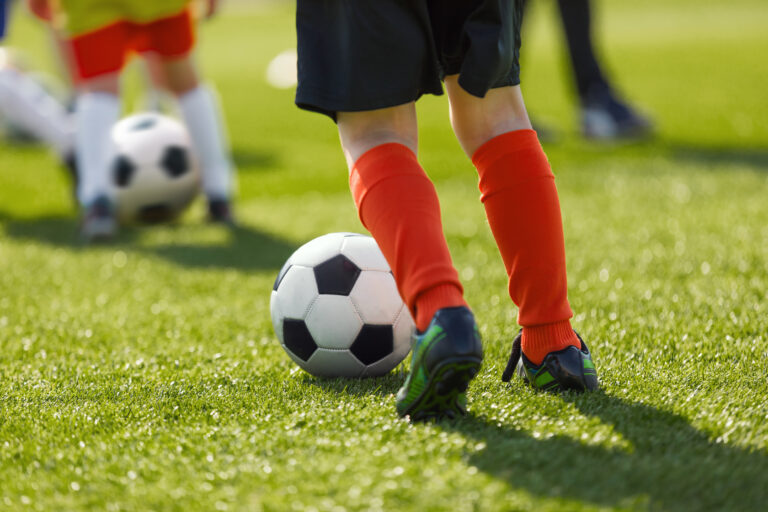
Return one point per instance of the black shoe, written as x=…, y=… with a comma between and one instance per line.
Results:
x=98, y=222
x=568, y=369
x=220, y=212
x=446, y=357
x=605, y=117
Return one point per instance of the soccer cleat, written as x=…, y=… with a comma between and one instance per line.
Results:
x=568, y=369
x=446, y=357
x=220, y=212
x=98, y=222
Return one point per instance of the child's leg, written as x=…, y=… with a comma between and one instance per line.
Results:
x=398, y=204
x=97, y=110
x=24, y=102
x=520, y=199
x=157, y=96
x=97, y=58
x=201, y=113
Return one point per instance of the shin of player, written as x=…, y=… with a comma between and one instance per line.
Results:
x=473, y=46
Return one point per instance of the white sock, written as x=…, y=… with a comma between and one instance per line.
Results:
x=27, y=105
x=202, y=116
x=157, y=100
x=96, y=114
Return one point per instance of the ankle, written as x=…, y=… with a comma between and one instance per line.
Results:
x=437, y=297
x=540, y=340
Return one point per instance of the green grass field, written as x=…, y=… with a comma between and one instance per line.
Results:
x=144, y=375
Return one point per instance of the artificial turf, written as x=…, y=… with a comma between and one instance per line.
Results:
x=144, y=374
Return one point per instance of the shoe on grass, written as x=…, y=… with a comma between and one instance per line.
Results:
x=446, y=357
x=605, y=117
x=568, y=369
x=220, y=212
x=98, y=222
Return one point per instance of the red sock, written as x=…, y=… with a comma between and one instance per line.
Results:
x=518, y=190
x=398, y=204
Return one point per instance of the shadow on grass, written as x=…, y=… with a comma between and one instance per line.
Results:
x=245, y=248
x=666, y=463
x=670, y=465
x=380, y=386
x=52, y=230
x=705, y=157
x=755, y=158
x=248, y=159
x=248, y=249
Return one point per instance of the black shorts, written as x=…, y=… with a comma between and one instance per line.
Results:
x=357, y=55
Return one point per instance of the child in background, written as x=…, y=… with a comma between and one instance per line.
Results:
x=101, y=37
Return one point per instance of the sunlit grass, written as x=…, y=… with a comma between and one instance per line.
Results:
x=144, y=375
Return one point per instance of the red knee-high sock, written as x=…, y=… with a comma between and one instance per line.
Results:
x=398, y=204
x=518, y=190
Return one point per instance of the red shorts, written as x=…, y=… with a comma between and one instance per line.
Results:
x=106, y=50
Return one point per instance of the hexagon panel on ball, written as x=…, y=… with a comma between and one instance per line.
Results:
x=175, y=161
x=376, y=297
x=333, y=322
x=336, y=276
x=373, y=343
x=401, y=344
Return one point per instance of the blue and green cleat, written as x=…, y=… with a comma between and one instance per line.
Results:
x=446, y=357
x=570, y=369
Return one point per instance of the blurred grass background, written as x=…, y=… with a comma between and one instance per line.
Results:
x=144, y=375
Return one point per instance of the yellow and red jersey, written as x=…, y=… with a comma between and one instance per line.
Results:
x=78, y=17
x=104, y=33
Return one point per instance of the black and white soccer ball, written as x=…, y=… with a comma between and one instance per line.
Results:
x=336, y=309
x=154, y=176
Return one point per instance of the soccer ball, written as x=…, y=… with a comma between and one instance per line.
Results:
x=336, y=309
x=153, y=172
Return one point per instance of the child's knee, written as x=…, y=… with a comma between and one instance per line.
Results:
x=475, y=120
x=361, y=131
x=180, y=75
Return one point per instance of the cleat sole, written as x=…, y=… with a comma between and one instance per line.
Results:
x=447, y=382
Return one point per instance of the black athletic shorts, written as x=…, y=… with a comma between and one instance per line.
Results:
x=357, y=55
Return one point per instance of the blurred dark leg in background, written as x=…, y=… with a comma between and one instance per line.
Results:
x=576, y=16
x=604, y=114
